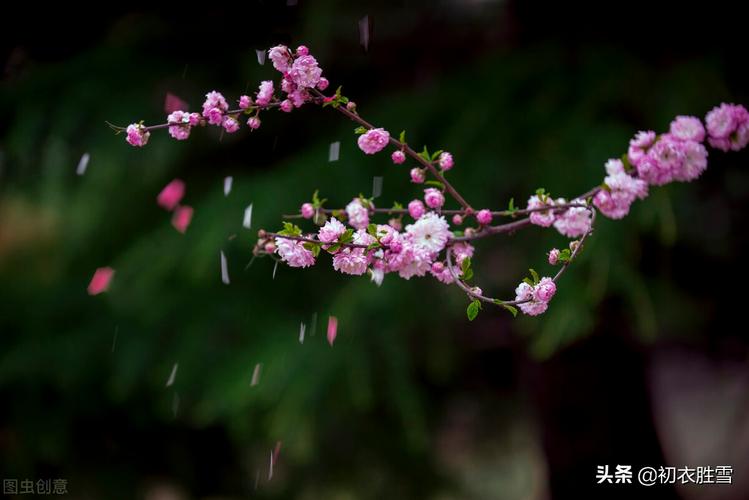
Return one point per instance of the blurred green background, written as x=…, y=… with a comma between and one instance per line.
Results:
x=413, y=401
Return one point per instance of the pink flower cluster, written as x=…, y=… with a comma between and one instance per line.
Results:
x=301, y=73
x=728, y=127
x=374, y=140
x=137, y=135
x=536, y=296
x=619, y=192
x=571, y=222
x=181, y=122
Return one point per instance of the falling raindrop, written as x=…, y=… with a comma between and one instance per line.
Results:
x=334, y=151
x=247, y=222
x=365, y=28
x=376, y=187
x=83, y=164
x=172, y=375
x=256, y=375
x=224, y=270
x=175, y=404
x=114, y=337
x=227, y=185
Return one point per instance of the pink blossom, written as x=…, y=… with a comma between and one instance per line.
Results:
x=484, y=216
x=305, y=72
x=620, y=192
x=554, y=256
x=181, y=218
x=687, y=128
x=293, y=253
x=373, y=140
x=230, y=124
x=350, y=261
x=544, y=290
x=398, y=157
x=137, y=135
x=264, y=93
x=358, y=214
x=457, y=219
x=245, y=102
x=430, y=233
x=446, y=161
x=533, y=307
x=416, y=209
x=302, y=50
x=214, y=107
x=286, y=106
x=721, y=121
x=171, y=195
x=434, y=197
x=543, y=218
x=639, y=145
x=668, y=157
x=575, y=221
x=395, y=223
x=695, y=161
x=417, y=175
x=322, y=83
x=100, y=281
x=279, y=55
x=270, y=247
x=440, y=271
x=307, y=210
x=411, y=261
x=181, y=122
x=461, y=251
x=298, y=97
x=331, y=231
x=253, y=122
x=386, y=234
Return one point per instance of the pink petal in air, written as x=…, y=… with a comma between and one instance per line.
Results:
x=173, y=103
x=100, y=281
x=171, y=195
x=181, y=218
x=332, y=329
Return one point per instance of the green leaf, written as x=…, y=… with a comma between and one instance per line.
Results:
x=465, y=267
x=372, y=229
x=425, y=154
x=513, y=310
x=436, y=154
x=360, y=130
x=290, y=229
x=528, y=280
x=511, y=206
x=436, y=184
x=402, y=137
x=347, y=236
x=397, y=206
x=473, y=309
x=536, y=279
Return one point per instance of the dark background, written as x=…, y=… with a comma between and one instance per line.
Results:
x=641, y=359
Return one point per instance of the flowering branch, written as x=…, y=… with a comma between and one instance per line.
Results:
x=359, y=246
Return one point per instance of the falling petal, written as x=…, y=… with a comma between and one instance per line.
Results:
x=274, y=271
x=171, y=195
x=260, y=56
x=334, y=151
x=302, y=328
x=332, y=329
x=256, y=374
x=224, y=270
x=83, y=164
x=247, y=222
x=173, y=103
x=365, y=27
x=172, y=375
x=270, y=466
x=100, y=281
x=181, y=218
x=376, y=187
x=227, y=185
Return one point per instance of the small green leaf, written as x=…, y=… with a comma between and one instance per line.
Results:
x=511, y=206
x=372, y=229
x=402, y=137
x=425, y=154
x=347, y=236
x=360, y=130
x=436, y=154
x=513, y=310
x=290, y=229
x=528, y=281
x=536, y=279
x=397, y=206
x=436, y=184
x=465, y=268
x=473, y=309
